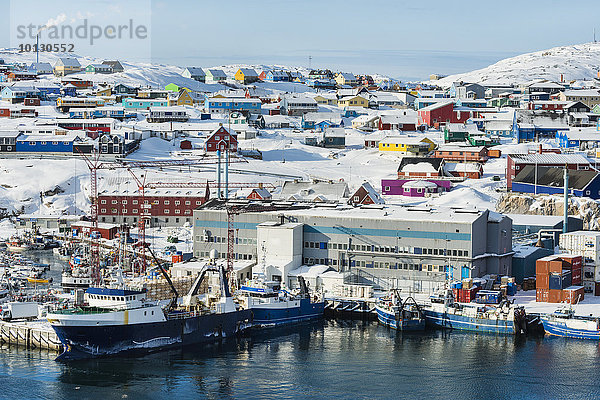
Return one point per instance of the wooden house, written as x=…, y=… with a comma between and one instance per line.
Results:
x=115, y=65
x=346, y=79
x=462, y=153
x=465, y=170
x=215, y=76
x=222, y=139
x=420, y=167
x=66, y=65
x=246, y=75
x=259, y=194
x=195, y=73
x=365, y=194
x=352, y=101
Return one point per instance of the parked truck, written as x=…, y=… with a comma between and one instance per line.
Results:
x=19, y=310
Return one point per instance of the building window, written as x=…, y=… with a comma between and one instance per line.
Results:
x=102, y=201
x=167, y=202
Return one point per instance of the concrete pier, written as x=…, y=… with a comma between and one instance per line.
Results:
x=31, y=335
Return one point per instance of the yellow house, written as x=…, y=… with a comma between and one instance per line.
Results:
x=184, y=98
x=104, y=92
x=407, y=145
x=345, y=78
x=326, y=100
x=246, y=75
x=353, y=101
x=66, y=65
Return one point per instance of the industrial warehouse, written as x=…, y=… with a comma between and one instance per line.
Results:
x=409, y=247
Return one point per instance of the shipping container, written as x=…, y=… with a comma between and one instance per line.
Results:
x=573, y=294
x=541, y=266
x=541, y=295
x=571, y=261
x=488, y=296
x=576, y=276
x=542, y=281
x=589, y=273
x=554, y=296
x=555, y=282
x=555, y=266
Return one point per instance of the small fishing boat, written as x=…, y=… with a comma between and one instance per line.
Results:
x=17, y=245
x=563, y=322
x=35, y=280
x=401, y=315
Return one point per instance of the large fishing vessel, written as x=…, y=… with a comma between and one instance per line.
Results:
x=563, y=322
x=116, y=320
x=272, y=306
x=401, y=315
x=503, y=318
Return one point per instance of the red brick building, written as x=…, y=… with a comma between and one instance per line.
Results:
x=162, y=206
x=222, y=139
x=83, y=228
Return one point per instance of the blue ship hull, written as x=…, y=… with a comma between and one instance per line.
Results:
x=268, y=316
x=451, y=321
x=93, y=341
x=561, y=329
x=388, y=319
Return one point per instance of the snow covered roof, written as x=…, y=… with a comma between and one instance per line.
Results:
x=416, y=184
x=68, y=62
x=373, y=194
x=405, y=140
x=419, y=167
x=437, y=105
x=310, y=271
x=332, y=191
x=409, y=164
x=248, y=72
x=217, y=73
x=582, y=92
x=463, y=167
x=195, y=71
x=549, y=158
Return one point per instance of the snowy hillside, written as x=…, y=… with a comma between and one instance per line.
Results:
x=576, y=62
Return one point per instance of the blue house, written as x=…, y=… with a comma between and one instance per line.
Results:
x=18, y=92
x=580, y=139
x=549, y=180
x=223, y=105
x=529, y=132
x=102, y=112
x=143, y=104
x=46, y=143
x=277, y=76
x=47, y=90
x=321, y=120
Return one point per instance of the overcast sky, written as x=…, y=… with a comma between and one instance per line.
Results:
x=395, y=37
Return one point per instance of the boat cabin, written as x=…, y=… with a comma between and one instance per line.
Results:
x=114, y=298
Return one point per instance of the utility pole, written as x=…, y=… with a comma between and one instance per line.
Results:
x=310, y=61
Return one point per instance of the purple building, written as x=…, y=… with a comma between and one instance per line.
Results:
x=414, y=187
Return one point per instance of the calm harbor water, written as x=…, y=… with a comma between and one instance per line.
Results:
x=327, y=360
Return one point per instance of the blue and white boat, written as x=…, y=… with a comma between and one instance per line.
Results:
x=272, y=306
x=563, y=322
x=503, y=318
x=116, y=320
x=396, y=314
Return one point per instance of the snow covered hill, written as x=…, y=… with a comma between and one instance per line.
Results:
x=576, y=62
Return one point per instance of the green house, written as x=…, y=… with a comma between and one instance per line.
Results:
x=171, y=87
x=455, y=133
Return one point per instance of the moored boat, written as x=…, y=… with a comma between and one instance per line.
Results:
x=401, y=315
x=116, y=320
x=272, y=306
x=503, y=318
x=563, y=322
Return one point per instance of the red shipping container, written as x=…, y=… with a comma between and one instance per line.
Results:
x=541, y=267
x=571, y=261
x=555, y=266
x=576, y=276
x=554, y=296
x=541, y=295
x=176, y=258
x=456, y=293
x=542, y=281
x=573, y=296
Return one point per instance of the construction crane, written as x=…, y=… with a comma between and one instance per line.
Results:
x=94, y=164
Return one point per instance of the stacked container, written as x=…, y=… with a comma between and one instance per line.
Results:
x=555, y=274
x=586, y=243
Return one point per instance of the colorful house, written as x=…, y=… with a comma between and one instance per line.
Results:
x=222, y=139
x=98, y=69
x=407, y=145
x=246, y=75
x=352, y=101
x=195, y=73
x=465, y=170
x=223, y=105
x=259, y=194
x=414, y=188
x=215, y=76
x=47, y=143
x=143, y=104
x=366, y=194
x=277, y=76
x=346, y=78
x=550, y=180
x=420, y=167
x=463, y=153
x=397, y=122
x=443, y=113
x=66, y=65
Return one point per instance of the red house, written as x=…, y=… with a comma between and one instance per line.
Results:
x=397, y=122
x=420, y=167
x=259, y=194
x=365, y=194
x=263, y=75
x=185, y=145
x=222, y=139
x=106, y=231
x=78, y=83
x=443, y=113
x=465, y=170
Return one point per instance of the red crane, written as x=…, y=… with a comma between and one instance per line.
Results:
x=94, y=164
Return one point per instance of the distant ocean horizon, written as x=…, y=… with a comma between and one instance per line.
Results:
x=405, y=65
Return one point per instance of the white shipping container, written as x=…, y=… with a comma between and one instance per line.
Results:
x=586, y=243
x=589, y=286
